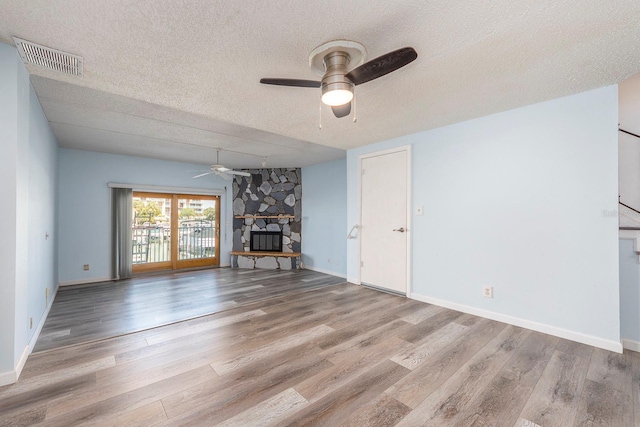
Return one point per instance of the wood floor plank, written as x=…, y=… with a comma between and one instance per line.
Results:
x=603, y=405
x=429, y=325
x=446, y=405
x=214, y=402
x=361, y=343
x=420, y=314
x=29, y=402
x=503, y=399
x=428, y=377
x=380, y=412
x=126, y=378
x=225, y=366
x=145, y=416
x=430, y=345
x=53, y=376
x=24, y=417
x=270, y=412
x=71, y=356
x=162, y=336
x=336, y=407
x=347, y=369
x=555, y=399
x=102, y=410
x=611, y=369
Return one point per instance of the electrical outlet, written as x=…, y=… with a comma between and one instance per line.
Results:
x=328, y=260
x=487, y=292
x=86, y=267
x=31, y=323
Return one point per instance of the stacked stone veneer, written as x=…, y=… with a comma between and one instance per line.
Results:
x=267, y=192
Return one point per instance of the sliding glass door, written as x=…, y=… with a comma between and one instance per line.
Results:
x=175, y=231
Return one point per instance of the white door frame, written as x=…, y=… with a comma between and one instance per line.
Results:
x=407, y=149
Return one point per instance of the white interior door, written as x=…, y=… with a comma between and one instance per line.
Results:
x=384, y=220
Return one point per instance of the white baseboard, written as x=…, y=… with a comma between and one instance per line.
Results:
x=353, y=280
x=36, y=335
x=11, y=377
x=322, y=270
x=85, y=281
x=23, y=359
x=631, y=345
x=523, y=323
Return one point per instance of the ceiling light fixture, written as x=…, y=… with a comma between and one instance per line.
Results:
x=337, y=89
x=337, y=97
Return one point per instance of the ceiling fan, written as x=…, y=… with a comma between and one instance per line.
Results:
x=332, y=60
x=221, y=170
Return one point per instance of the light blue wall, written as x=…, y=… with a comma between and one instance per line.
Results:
x=8, y=184
x=43, y=212
x=28, y=174
x=515, y=201
x=629, y=291
x=85, y=205
x=324, y=217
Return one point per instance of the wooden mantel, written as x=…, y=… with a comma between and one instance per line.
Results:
x=266, y=216
x=260, y=253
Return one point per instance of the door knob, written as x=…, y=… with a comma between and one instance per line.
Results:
x=401, y=229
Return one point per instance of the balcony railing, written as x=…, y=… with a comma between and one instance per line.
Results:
x=153, y=244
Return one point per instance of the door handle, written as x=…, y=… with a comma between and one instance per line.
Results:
x=401, y=229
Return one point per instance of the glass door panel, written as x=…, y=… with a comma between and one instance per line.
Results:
x=151, y=231
x=197, y=228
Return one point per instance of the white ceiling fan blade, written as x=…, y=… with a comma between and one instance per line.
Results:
x=240, y=173
x=202, y=174
x=225, y=175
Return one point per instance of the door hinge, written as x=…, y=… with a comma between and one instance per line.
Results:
x=361, y=171
x=361, y=263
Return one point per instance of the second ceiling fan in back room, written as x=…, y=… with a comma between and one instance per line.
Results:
x=221, y=170
x=333, y=61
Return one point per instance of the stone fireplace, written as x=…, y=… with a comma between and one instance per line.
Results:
x=266, y=204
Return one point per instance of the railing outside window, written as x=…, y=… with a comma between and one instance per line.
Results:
x=153, y=244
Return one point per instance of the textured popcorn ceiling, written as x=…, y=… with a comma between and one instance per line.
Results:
x=171, y=79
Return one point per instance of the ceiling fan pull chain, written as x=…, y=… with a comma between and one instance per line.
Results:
x=355, y=107
x=320, y=117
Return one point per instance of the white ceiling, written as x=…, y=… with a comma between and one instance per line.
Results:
x=173, y=79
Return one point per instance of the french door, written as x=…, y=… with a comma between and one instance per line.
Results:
x=175, y=231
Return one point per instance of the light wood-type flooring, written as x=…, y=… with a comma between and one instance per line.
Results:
x=97, y=311
x=330, y=355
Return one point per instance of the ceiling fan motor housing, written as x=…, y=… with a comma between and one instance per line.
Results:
x=335, y=79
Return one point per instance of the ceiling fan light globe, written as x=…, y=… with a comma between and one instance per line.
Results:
x=337, y=97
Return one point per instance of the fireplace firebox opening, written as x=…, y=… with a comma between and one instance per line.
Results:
x=266, y=241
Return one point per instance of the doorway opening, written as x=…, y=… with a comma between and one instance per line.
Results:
x=174, y=231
